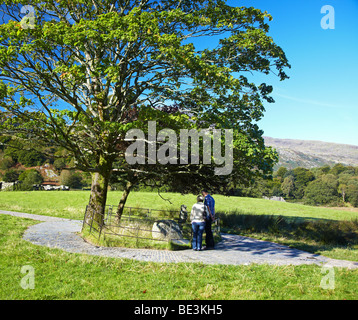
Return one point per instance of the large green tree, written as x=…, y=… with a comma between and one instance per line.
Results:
x=80, y=73
x=352, y=191
x=302, y=177
x=322, y=191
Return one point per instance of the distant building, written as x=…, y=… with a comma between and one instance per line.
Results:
x=48, y=186
x=9, y=186
x=274, y=198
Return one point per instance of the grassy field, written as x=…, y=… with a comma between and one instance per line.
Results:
x=72, y=204
x=62, y=275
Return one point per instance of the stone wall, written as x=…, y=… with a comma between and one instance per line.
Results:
x=275, y=198
x=6, y=185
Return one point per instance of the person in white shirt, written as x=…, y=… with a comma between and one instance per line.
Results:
x=197, y=218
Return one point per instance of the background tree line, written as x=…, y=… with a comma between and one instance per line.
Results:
x=328, y=186
x=332, y=186
x=19, y=164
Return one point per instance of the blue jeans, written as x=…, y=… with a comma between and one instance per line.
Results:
x=198, y=229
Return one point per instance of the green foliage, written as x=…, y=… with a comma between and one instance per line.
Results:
x=316, y=186
x=302, y=177
x=6, y=163
x=71, y=179
x=11, y=175
x=352, y=191
x=31, y=158
x=337, y=169
x=29, y=178
x=281, y=172
x=3, y=140
x=321, y=192
x=288, y=186
x=59, y=163
x=274, y=188
x=114, y=66
x=19, y=153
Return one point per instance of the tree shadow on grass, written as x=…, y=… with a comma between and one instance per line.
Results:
x=310, y=235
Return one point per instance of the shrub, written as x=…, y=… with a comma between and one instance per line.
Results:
x=320, y=192
x=6, y=163
x=352, y=193
x=73, y=180
x=11, y=175
x=29, y=178
x=30, y=158
x=59, y=163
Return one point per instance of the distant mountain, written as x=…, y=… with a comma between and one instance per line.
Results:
x=310, y=153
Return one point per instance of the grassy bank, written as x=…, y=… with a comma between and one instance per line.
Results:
x=62, y=275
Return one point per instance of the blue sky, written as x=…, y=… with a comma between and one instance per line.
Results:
x=319, y=101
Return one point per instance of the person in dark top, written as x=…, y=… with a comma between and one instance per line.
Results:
x=209, y=204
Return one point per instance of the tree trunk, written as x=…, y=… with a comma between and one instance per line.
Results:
x=97, y=202
x=123, y=200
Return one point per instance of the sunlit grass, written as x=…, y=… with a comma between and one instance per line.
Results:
x=62, y=275
x=71, y=204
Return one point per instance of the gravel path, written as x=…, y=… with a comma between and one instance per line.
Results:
x=233, y=249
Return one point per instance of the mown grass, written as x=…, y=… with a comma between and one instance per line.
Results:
x=71, y=204
x=62, y=275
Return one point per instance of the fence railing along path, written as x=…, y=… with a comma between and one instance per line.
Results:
x=145, y=224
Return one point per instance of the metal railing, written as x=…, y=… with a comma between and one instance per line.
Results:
x=142, y=224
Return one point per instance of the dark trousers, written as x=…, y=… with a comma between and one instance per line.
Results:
x=209, y=235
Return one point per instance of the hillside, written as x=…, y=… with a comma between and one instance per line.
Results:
x=310, y=153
